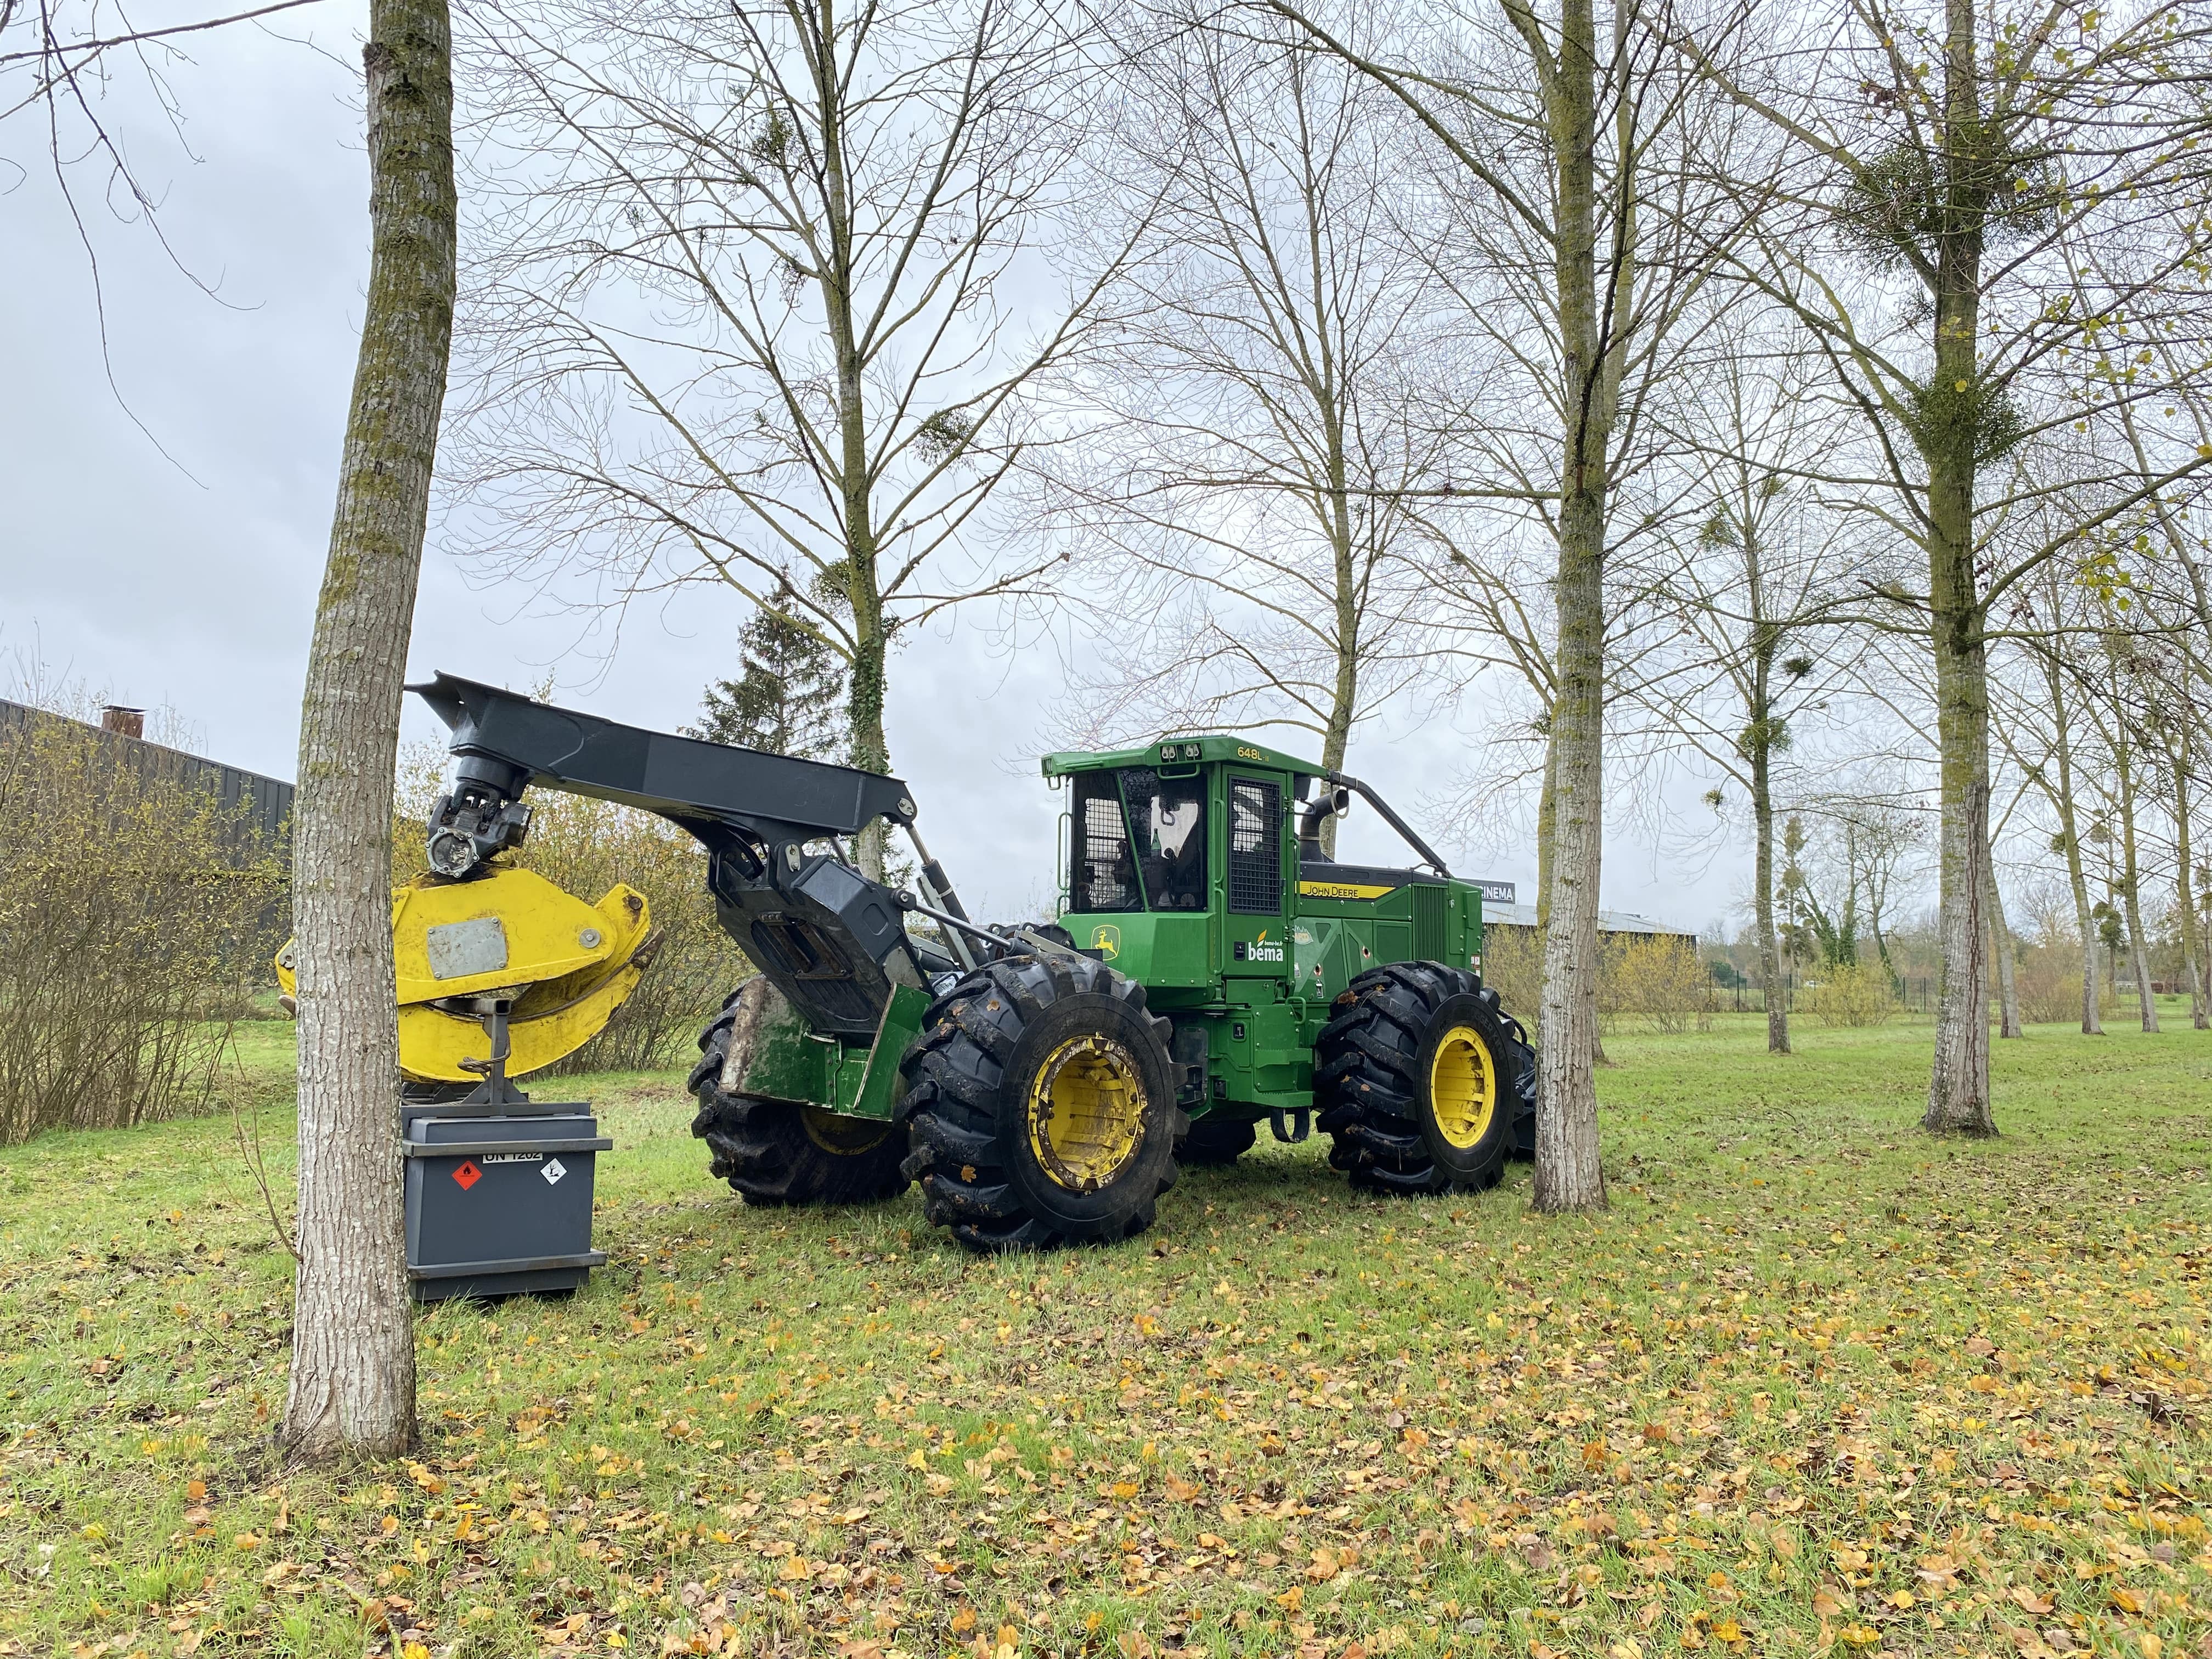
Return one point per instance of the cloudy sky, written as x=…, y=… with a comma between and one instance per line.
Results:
x=177, y=564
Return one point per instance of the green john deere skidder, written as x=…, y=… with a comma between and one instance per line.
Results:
x=1211, y=971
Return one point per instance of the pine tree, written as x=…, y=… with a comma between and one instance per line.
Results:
x=789, y=698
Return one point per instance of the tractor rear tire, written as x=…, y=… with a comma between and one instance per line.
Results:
x=776, y=1152
x=1215, y=1141
x=1423, y=1080
x=1041, y=1104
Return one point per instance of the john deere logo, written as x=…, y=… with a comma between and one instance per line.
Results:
x=1106, y=939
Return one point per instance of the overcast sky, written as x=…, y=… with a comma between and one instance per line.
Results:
x=189, y=578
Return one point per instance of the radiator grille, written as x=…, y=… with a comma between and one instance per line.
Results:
x=1430, y=905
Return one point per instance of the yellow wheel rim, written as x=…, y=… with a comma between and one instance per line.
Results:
x=1086, y=1112
x=846, y=1137
x=1462, y=1087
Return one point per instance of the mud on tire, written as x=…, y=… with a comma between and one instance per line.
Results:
x=775, y=1151
x=1041, y=1106
x=1379, y=1063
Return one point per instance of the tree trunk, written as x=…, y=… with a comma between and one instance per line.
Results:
x=353, y=1354
x=2130, y=871
x=1959, y=1087
x=2177, y=543
x=2061, y=801
x=1959, y=1081
x=1343, y=696
x=1547, y=823
x=1770, y=956
x=870, y=748
x=1569, y=1174
x=2184, y=896
x=2009, y=1023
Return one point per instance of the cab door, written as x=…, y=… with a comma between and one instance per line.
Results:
x=1256, y=933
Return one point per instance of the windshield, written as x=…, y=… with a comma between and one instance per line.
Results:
x=1168, y=817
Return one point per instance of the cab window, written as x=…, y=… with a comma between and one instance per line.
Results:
x=1105, y=874
x=1168, y=817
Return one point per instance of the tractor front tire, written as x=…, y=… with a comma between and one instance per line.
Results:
x=778, y=1151
x=1041, y=1106
x=1215, y=1141
x=1423, y=1080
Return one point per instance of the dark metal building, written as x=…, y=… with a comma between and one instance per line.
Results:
x=267, y=801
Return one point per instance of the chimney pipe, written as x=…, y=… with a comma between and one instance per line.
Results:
x=128, y=722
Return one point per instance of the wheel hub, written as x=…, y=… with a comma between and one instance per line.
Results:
x=1086, y=1112
x=1462, y=1087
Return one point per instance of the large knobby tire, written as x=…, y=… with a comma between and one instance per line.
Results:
x=1422, y=1080
x=1041, y=1104
x=1213, y=1141
x=775, y=1151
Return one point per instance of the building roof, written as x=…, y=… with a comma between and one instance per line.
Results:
x=1608, y=921
x=265, y=803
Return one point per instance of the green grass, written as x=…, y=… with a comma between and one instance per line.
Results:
x=1814, y=1382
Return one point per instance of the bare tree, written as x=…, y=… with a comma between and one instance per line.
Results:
x=1957, y=156
x=1247, y=458
x=353, y=1346
x=1556, y=124
x=1755, y=592
x=2118, y=716
x=743, y=312
x=2037, y=721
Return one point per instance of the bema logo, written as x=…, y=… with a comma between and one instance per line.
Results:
x=1106, y=939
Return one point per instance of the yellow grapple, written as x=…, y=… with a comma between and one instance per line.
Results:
x=566, y=964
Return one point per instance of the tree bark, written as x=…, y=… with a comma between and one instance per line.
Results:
x=352, y=1386
x=1569, y=1174
x=1949, y=436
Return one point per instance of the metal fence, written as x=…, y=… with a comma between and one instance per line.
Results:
x=1915, y=994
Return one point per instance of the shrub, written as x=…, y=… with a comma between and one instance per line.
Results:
x=585, y=847
x=1856, y=995
x=2049, y=979
x=137, y=916
x=1513, y=966
x=1659, y=980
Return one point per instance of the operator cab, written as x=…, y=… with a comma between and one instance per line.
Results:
x=1186, y=862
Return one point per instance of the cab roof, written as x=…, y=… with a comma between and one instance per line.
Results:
x=1177, y=751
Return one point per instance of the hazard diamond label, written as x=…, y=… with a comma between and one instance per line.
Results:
x=553, y=1172
x=468, y=1174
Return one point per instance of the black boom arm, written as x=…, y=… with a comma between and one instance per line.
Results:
x=832, y=940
